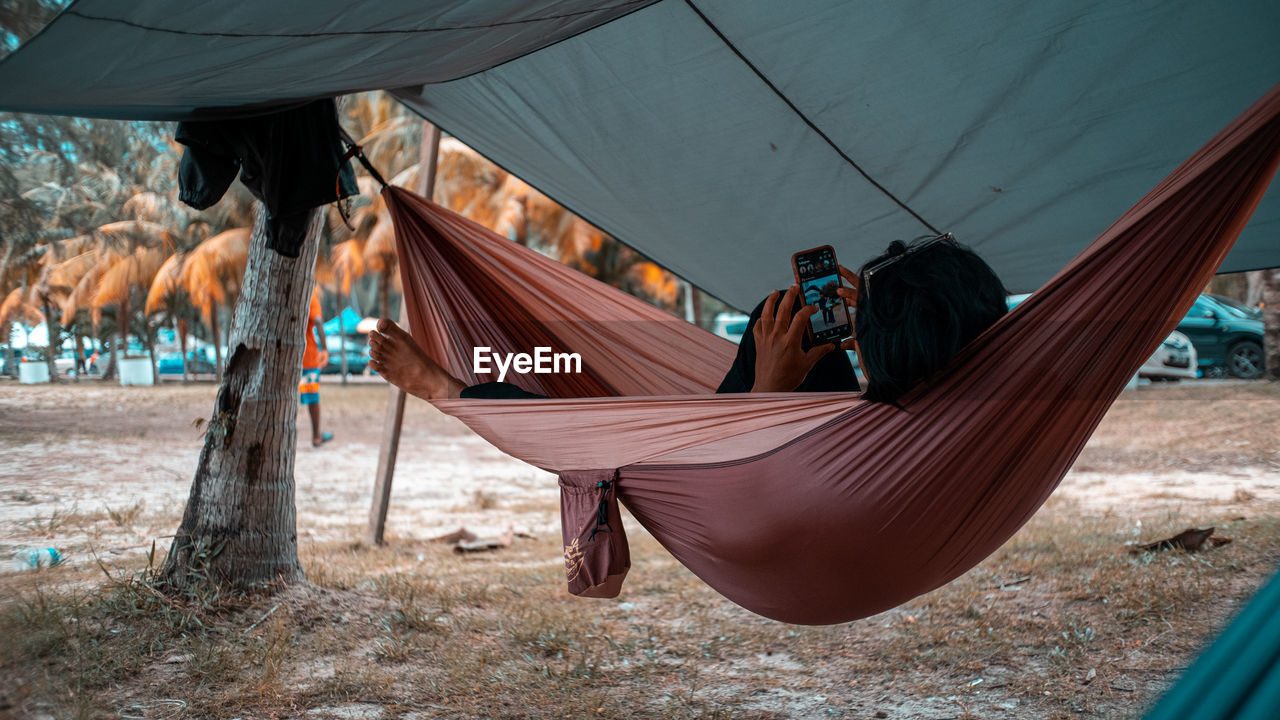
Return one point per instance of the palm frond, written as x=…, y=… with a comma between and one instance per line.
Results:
x=166, y=284
x=347, y=260
x=15, y=308
x=137, y=269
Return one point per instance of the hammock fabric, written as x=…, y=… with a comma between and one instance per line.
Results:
x=820, y=507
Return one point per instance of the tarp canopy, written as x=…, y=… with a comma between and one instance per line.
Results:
x=720, y=136
x=350, y=322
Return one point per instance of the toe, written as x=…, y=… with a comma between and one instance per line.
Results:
x=398, y=333
x=385, y=325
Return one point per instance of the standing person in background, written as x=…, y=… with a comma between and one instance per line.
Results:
x=313, y=359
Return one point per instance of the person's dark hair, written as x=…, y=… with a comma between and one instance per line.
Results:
x=918, y=304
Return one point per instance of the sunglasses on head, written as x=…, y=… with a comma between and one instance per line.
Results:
x=911, y=249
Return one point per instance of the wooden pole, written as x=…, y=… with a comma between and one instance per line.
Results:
x=430, y=150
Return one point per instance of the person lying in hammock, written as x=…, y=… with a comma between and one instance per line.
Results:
x=916, y=306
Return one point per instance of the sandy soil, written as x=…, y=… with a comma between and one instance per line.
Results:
x=70, y=455
x=76, y=452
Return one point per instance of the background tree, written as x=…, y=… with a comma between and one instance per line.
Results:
x=169, y=300
x=211, y=275
x=1271, y=322
x=14, y=308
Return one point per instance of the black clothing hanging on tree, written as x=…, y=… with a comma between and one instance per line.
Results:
x=292, y=160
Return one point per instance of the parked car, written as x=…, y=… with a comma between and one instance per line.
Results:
x=731, y=326
x=198, y=361
x=1175, y=359
x=357, y=356
x=1227, y=337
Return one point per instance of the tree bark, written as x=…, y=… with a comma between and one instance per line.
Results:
x=1255, y=280
x=1271, y=323
x=9, y=358
x=182, y=346
x=239, y=529
x=82, y=368
x=55, y=339
x=151, y=350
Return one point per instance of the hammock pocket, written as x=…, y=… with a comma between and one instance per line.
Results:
x=596, y=558
x=820, y=508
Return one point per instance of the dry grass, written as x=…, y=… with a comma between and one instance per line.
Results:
x=496, y=636
x=1061, y=622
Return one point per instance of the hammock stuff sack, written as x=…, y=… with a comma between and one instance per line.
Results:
x=817, y=508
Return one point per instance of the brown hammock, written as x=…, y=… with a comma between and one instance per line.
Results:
x=818, y=508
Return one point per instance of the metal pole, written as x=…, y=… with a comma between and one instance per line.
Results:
x=430, y=150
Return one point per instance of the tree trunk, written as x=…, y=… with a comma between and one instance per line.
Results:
x=151, y=350
x=9, y=359
x=1255, y=280
x=239, y=529
x=82, y=368
x=1271, y=323
x=55, y=339
x=182, y=346
x=110, y=372
x=217, y=344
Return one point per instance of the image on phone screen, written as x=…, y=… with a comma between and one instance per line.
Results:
x=819, y=277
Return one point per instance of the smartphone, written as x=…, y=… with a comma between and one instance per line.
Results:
x=818, y=276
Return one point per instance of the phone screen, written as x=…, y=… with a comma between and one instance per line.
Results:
x=819, y=276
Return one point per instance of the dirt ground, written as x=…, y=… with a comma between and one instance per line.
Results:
x=100, y=472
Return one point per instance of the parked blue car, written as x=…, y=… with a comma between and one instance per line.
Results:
x=357, y=356
x=1227, y=336
x=198, y=361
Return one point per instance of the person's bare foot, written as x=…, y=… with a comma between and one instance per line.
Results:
x=395, y=356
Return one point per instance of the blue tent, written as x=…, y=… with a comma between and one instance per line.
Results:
x=350, y=319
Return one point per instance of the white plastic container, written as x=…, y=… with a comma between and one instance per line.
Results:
x=30, y=373
x=136, y=371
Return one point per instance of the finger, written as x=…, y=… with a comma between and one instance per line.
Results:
x=850, y=295
x=849, y=344
x=798, y=323
x=765, y=324
x=784, y=307
x=815, y=353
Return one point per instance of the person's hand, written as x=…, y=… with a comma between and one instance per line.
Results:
x=850, y=297
x=324, y=357
x=780, y=363
x=850, y=294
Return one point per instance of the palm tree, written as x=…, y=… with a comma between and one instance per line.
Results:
x=14, y=308
x=170, y=298
x=133, y=273
x=118, y=258
x=1271, y=322
x=211, y=275
x=239, y=528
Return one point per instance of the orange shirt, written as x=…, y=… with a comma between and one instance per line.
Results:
x=311, y=355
